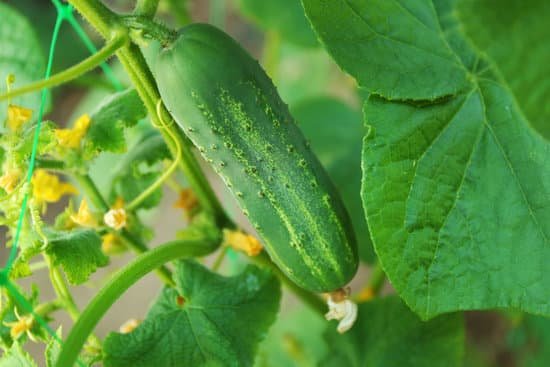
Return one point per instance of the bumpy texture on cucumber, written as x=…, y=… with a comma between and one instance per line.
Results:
x=227, y=105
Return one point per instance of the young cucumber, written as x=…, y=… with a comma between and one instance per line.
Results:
x=229, y=108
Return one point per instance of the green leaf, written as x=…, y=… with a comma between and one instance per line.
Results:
x=208, y=320
x=20, y=55
x=393, y=48
x=516, y=39
x=387, y=334
x=77, y=251
x=285, y=17
x=335, y=132
x=53, y=348
x=294, y=340
x=457, y=193
x=16, y=357
x=116, y=112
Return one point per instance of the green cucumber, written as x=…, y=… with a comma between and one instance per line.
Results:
x=229, y=108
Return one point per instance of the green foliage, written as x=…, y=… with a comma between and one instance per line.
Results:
x=296, y=339
x=116, y=112
x=450, y=186
x=77, y=251
x=394, y=49
x=387, y=334
x=53, y=348
x=20, y=55
x=207, y=320
x=335, y=132
x=516, y=39
x=285, y=17
x=16, y=357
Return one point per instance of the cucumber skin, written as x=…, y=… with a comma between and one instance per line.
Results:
x=230, y=109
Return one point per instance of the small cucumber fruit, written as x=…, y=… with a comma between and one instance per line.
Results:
x=229, y=108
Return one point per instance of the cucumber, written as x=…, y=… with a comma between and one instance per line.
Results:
x=229, y=108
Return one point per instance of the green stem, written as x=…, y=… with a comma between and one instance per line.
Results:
x=217, y=13
x=311, y=299
x=146, y=8
x=61, y=290
x=167, y=173
x=116, y=42
x=91, y=190
x=219, y=259
x=139, y=247
x=272, y=54
x=120, y=282
x=50, y=164
x=377, y=279
x=101, y=17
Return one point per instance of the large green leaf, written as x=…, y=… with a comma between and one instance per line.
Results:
x=457, y=190
x=78, y=252
x=387, y=334
x=207, y=320
x=335, y=132
x=285, y=17
x=516, y=38
x=20, y=55
x=393, y=48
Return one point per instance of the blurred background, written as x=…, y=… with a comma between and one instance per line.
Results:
x=326, y=104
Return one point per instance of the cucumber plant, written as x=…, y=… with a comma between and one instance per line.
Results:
x=403, y=139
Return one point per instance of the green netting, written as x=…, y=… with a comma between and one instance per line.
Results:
x=64, y=13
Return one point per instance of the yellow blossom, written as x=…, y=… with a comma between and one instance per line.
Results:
x=70, y=138
x=17, y=116
x=365, y=295
x=9, y=180
x=111, y=244
x=186, y=200
x=21, y=326
x=129, y=326
x=48, y=188
x=84, y=217
x=242, y=242
x=115, y=218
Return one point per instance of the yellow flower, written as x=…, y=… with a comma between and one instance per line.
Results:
x=17, y=116
x=187, y=200
x=115, y=218
x=21, y=326
x=365, y=295
x=48, y=188
x=9, y=180
x=111, y=244
x=70, y=138
x=242, y=242
x=129, y=326
x=84, y=217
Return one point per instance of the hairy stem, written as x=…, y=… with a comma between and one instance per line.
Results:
x=120, y=282
x=118, y=40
